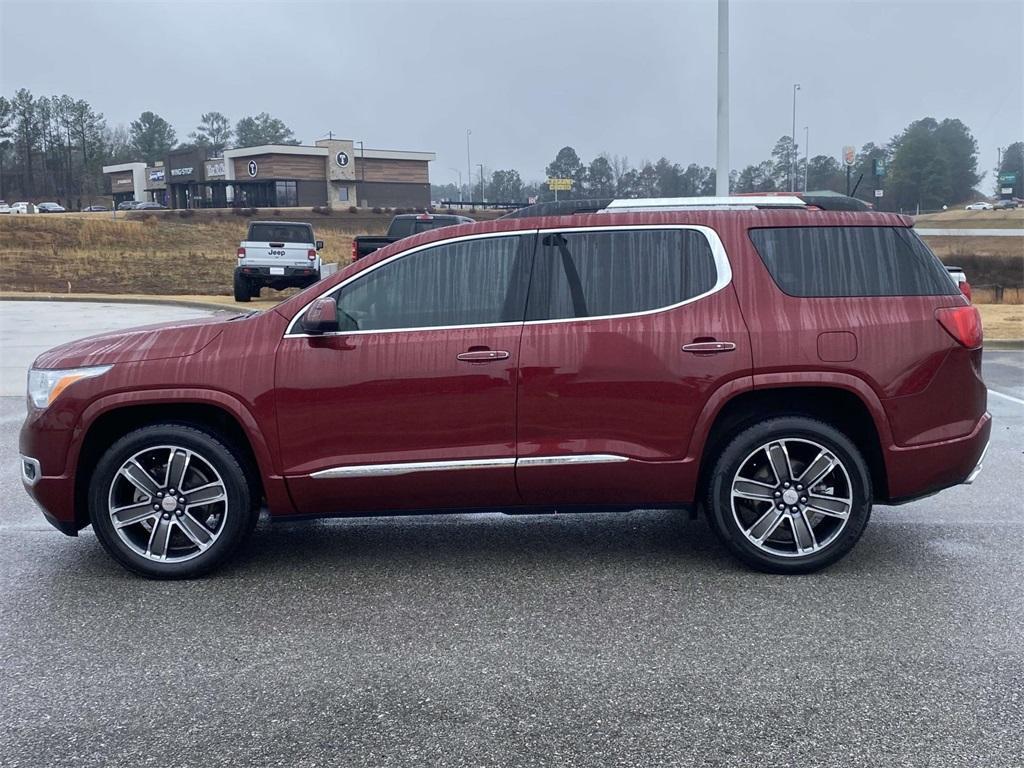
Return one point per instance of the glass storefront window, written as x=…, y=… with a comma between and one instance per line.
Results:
x=286, y=193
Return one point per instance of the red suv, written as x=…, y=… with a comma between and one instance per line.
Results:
x=780, y=365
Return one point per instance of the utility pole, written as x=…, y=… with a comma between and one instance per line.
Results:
x=481, y=165
x=792, y=159
x=469, y=172
x=722, y=146
x=807, y=153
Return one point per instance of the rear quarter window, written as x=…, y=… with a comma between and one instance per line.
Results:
x=280, y=233
x=851, y=261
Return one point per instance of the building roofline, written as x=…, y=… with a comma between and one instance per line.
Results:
x=395, y=154
x=122, y=167
x=276, y=149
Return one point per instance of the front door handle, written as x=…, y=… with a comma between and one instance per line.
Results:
x=483, y=356
x=709, y=347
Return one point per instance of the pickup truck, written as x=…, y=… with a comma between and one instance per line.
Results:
x=278, y=254
x=404, y=225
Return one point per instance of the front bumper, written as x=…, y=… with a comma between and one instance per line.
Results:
x=53, y=495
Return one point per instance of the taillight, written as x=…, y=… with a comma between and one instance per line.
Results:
x=355, y=250
x=311, y=254
x=965, y=289
x=963, y=324
x=241, y=252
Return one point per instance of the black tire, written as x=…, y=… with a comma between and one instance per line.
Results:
x=728, y=518
x=254, y=290
x=243, y=291
x=208, y=450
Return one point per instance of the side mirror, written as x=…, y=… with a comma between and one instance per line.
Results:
x=321, y=317
x=319, y=245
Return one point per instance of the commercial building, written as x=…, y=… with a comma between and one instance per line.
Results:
x=333, y=172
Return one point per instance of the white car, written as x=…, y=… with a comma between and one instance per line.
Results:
x=23, y=207
x=980, y=206
x=5, y=208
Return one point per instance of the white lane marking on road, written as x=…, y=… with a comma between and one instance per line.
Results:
x=1016, y=400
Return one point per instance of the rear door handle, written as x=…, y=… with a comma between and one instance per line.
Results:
x=483, y=356
x=709, y=347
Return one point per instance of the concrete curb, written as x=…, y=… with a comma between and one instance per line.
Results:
x=210, y=306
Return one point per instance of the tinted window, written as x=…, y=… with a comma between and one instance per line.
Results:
x=413, y=225
x=851, y=261
x=468, y=283
x=588, y=274
x=280, y=233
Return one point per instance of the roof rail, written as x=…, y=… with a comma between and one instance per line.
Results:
x=741, y=202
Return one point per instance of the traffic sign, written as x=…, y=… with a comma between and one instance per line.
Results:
x=849, y=154
x=559, y=184
x=879, y=192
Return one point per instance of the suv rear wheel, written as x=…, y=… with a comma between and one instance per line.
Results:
x=170, y=501
x=790, y=495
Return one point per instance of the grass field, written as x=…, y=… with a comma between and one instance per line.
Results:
x=961, y=219
x=153, y=252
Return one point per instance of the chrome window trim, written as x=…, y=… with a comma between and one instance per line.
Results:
x=408, y=467
x=288, y=334
x=722, y=268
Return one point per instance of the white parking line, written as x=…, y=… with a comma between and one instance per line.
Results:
x=1016, y=400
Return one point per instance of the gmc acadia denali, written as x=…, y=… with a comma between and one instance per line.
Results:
x=778, y=364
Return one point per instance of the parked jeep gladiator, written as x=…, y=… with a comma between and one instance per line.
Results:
x=278, y=254
x=404, y=225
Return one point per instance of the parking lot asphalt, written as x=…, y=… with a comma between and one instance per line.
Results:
x=569, y=640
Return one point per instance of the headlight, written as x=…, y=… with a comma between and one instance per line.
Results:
x=45, y=385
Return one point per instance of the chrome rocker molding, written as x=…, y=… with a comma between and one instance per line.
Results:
x=408, y=467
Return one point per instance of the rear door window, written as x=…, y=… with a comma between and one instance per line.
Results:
x=280, y=233
x=851, y=261
x=617, y=272
x=472, y=282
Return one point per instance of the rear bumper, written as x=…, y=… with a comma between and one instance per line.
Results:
x=921, y=470
x=294, y=275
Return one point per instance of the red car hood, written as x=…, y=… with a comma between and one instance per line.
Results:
x=147, y=342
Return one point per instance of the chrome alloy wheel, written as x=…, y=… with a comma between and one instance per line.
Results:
x=168, y=504
x=791, y=497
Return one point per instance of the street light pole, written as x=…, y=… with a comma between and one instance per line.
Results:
x=807, y=153
x=469, y=173
x=481, y=166
x=722, y=148
x=792, y=160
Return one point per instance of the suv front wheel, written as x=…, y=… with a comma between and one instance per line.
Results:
x=790, y=495
x=170, y=501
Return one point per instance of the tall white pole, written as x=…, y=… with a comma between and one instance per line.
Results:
x=469, y=172
x=792, y=161
x=722, y=149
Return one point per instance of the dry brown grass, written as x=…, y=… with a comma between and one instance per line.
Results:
x=1002, y=321
x=961, y=219
x=152, y=253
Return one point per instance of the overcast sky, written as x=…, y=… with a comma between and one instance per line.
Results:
x=627, y=78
